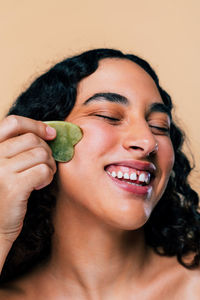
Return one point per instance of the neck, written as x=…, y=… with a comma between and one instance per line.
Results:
x=90, y=253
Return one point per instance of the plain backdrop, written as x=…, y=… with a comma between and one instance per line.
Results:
x=35, y=34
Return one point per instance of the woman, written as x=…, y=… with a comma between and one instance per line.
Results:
x=118, y=221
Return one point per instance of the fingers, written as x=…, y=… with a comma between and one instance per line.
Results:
x=36, y=177
x=16, y=145
x=17, y=125
x=31, y=158
x=22, y=147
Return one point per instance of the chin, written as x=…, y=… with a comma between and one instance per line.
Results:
x=129, y=222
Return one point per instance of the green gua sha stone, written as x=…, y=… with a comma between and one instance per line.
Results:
x=67, y=136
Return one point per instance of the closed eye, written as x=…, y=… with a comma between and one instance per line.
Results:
x=157, y=129
x=108, y=118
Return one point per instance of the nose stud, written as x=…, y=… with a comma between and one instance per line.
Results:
x=155, y=150
x=156, y=147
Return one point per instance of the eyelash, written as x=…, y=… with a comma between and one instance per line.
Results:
x=162, y=129
x=108, y=118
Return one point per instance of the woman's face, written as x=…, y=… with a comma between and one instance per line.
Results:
x=122, y=164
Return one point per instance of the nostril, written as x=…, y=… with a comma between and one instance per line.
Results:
x=136, y=147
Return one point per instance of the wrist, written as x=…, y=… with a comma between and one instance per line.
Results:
x=5, y=246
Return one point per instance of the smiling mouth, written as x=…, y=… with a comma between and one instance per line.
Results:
x=134, y=177
x=125, y=176
x=136, y=187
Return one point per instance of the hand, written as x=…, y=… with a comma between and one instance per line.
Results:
x=26, y=164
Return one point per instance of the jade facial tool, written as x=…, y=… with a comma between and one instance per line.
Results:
x=67, y=136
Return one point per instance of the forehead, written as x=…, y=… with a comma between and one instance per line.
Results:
x=120, y=76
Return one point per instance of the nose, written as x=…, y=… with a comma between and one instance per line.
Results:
x=139, y=140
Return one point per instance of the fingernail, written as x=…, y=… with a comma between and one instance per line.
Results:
x=50, y=131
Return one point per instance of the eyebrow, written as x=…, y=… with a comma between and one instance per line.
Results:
x=119, y=99
x=112, y=97
x=160, y=107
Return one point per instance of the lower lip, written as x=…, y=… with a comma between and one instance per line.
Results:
x=135, y=189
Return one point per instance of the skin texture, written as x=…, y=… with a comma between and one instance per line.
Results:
x=99, y=250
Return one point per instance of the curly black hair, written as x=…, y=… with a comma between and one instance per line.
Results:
x=174, y=225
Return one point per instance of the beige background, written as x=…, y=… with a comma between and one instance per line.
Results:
x=35, y=34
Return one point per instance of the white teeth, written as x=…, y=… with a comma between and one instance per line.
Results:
x=147, y=178
x=114, y=174
x=126, y=176
x=119, y=174
x=133, y=176
x=142, y=177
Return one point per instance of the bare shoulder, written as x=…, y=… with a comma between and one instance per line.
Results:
x=178, y=281
x=21, y=288
x=11, y=292
x=190, y=283
x=171, y=280
x=24, y=287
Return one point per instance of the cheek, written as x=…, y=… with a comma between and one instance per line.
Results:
x=88, y=161
x=90, y=152
x=166, y=156
x=97, y=140
x=165, y=162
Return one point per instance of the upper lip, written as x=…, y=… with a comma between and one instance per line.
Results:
x=137, y=164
